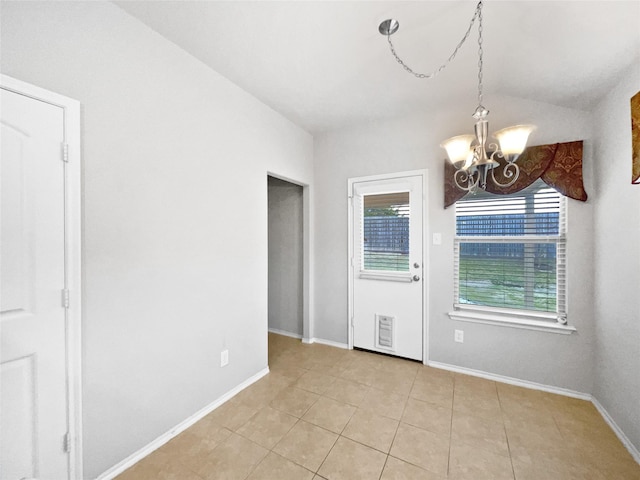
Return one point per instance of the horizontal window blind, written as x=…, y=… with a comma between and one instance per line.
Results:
x=510, y=250
x=386, y=232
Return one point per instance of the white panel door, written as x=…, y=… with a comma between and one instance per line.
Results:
x=387, y=265
x=33, y=412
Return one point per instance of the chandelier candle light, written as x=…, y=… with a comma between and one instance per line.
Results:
x=472, y=156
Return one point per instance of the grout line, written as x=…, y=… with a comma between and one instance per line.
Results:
x=504, y=428
x=329, y=452
x=385, y=465
x=453, y=396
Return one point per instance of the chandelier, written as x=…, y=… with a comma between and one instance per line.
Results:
x=473, y=155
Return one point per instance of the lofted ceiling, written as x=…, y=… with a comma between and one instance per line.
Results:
x=323, y=64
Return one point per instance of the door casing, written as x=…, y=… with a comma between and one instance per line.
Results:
x=73, y=248
x=425, y=273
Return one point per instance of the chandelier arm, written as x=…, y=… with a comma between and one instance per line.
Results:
x=510, y=170
x=477, y=14
x=465, y=177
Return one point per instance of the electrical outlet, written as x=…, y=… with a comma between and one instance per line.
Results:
x=224, y=358
x=458, y=336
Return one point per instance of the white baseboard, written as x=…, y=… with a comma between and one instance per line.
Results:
x=511, y=381
x=329, y=343
x=182, y=426
x=617, y=430
x=285, y=333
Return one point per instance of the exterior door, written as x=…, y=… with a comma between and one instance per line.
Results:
x=33, y=414
x=387, y=265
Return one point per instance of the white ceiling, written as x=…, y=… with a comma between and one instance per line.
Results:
x=323, y=64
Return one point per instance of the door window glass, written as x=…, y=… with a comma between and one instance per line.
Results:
x=386, y=232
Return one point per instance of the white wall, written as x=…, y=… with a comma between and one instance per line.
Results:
x=175, y=160
x=285, y=256
x=412, y=143
x=617, y=260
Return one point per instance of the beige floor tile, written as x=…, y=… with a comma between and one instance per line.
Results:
x=279, y=468
x=268, y=427
x=262, y=392
x=306, y=445
x=383, y=403
x=524, y=403
x=420, y=447
x=198, y=440
x=233, y=414
x=438, y=392
x=233, y=459
x=347, y=392
x=480, y=432
x=350, y=460
x=474, y=385
x=279, y=342
x=360, y=374
x=332, y=370
x=396, y=469
x=372, y=430
x=531, y=440
x=157, y=466
x=294, y=401
x=430, y=374
x=487, y=406
x=611, y=460
x=554, y=469
x=314, y=382
x=400, y=384
x=400, y=366
x=366, y=359
x=469, y=463
x=428, y=416
x=330, y=414
x=287, y=365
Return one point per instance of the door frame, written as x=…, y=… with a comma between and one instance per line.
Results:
x=425, y=258
x=73, y=258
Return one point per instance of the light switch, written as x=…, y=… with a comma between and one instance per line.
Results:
x=437, y=239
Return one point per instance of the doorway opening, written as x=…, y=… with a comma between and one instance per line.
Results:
x=286, y=258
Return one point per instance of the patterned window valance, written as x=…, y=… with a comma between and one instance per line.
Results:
x=559, y=165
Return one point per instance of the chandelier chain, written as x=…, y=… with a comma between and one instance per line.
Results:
x=480, y=53
x=476, y=15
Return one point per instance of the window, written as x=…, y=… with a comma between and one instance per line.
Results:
x=510, y=255
x=386, y=232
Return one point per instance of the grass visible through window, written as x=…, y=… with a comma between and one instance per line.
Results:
x=506, y=282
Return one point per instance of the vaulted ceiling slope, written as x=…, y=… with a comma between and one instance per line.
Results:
x=323, y=64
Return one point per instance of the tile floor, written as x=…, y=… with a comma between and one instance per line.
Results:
x=327, y=413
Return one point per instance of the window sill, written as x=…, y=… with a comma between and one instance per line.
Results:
x=510, y=321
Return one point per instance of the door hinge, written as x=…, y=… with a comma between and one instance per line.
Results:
x=65, y=152
x=65, y=298
x=66, y=443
